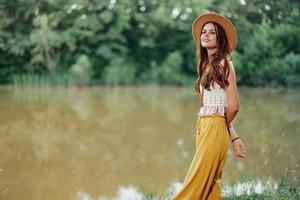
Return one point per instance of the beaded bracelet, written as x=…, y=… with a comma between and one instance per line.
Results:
x=234, y=139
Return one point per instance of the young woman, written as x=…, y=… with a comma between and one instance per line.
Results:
x=216, y=38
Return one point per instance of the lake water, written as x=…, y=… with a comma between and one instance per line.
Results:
x=106, y=143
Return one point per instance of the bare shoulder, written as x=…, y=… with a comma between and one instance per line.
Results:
x=231, y=69
x=230, y=63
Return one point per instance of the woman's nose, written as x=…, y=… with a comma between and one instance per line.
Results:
x=206, y=34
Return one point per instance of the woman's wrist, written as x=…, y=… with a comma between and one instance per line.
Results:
x=235, y=139
x=232, y=132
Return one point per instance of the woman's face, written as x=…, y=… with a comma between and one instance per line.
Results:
x=208, y=36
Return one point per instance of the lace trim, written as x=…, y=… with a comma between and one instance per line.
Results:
x=210, y=110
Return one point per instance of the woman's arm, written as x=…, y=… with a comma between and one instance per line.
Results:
x=231, y=111
x=232, y=133
x=232, y=96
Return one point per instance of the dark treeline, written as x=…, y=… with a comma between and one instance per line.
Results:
x=142, y=41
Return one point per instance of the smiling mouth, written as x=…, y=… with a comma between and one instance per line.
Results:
x=206, y=40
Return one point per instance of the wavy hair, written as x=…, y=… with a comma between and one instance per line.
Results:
x=217, y=73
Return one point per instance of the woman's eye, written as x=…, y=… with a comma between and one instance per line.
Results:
x=209, y=32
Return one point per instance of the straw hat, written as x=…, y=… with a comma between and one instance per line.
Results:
x=220, y=19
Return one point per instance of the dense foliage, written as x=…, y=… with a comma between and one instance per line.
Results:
x=142, y=41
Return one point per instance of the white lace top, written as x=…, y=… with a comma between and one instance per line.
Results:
x=213, y=101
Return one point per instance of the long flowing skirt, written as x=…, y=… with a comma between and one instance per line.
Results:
x=203, y=178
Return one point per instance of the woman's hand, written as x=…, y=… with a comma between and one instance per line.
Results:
x=237, y=145
x=239, y=148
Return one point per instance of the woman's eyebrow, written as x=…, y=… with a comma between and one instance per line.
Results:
x=210, y=29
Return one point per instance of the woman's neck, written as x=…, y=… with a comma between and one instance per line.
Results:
x=210, y=53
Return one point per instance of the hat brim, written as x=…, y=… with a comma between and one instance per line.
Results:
x=220, y=19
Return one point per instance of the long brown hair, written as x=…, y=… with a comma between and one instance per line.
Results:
x=217, y=73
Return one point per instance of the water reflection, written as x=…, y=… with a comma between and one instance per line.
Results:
x=102, y=142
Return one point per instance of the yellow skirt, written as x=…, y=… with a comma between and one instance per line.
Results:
x=203, y=178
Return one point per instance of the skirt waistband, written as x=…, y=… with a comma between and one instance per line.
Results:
x=215, y=117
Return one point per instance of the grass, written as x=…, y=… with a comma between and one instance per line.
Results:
x=285, y=190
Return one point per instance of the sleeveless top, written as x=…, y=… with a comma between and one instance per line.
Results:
x=214, y=101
